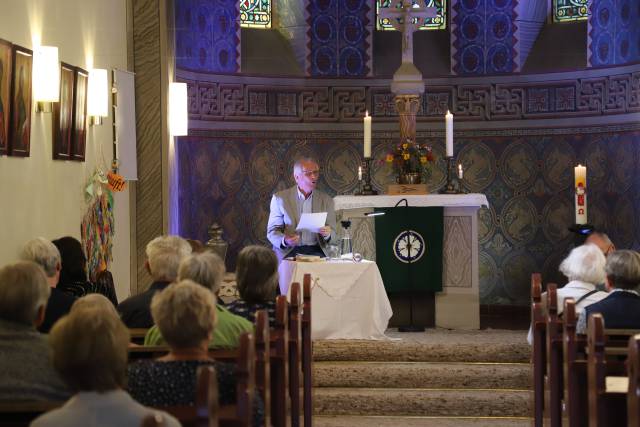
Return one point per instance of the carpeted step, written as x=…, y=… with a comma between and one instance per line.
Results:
x=431, y=402
x=439, y=345
x=422, y=375
x=384, y=421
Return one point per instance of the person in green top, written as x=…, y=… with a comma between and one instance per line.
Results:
x=207, y=269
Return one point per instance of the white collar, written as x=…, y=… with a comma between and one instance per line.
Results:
x=631, y=291
x=579, y=284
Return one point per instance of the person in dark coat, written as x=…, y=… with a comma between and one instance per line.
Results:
x=621, y=308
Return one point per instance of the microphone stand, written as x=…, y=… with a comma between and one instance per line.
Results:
x=407, y=235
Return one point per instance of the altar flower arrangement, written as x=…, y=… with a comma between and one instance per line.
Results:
x=410, y=161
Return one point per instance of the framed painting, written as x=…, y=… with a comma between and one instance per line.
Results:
x=62, y=128
x=79, y=114
x=6, y=59
x=20, y=124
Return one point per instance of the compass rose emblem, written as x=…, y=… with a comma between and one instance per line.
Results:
x=409, y=246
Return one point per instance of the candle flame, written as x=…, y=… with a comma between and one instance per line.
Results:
x=366, y=113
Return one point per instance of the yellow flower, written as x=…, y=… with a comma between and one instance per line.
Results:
x=406, y=156
x=405, y=146
x=389, y=158
x=423, y=159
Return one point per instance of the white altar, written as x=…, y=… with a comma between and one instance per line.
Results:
x=458, y=305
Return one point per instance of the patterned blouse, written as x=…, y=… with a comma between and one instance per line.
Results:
x=248, y=311
x=156, y=383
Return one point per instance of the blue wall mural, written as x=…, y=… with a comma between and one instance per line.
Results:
x=614, y=32
x=207, y=35
x=339, y=38
x=483, y=36
x=527, y=180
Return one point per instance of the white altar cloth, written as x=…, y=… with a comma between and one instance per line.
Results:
x=348, y=300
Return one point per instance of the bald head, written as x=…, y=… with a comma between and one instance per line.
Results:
x=602, y=241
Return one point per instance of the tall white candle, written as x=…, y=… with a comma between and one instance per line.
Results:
x=580, y=175
x=367, y=135
x=359, y=173
x=448, y=118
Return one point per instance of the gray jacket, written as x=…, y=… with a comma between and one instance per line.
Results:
x=284, y=217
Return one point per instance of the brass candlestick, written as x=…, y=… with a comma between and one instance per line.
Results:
x=453, y=184
x=366, y=187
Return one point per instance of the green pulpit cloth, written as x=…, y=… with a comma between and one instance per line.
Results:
x=409, y=248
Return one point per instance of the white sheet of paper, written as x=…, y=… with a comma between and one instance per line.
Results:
x=312, y=221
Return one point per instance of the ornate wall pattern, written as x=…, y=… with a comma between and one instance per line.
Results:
x=229, y=177
x=483, y=37
x=614, y=32
x=339, y=38
x=207, y=35
x=260, y=100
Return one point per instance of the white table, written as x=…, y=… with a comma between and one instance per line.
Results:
x=348, y=300
x=458, y=305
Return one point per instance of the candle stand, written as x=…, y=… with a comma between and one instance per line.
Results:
x=453, y=184
x=366, y=188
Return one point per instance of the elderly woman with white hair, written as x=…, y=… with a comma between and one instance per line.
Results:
x=584, y=267
x=186, y=315
x=207, y=270
x=25, y=371
x=89, y=348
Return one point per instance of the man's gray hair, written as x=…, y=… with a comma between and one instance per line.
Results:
x=205, y=268
x=586, y=264
x=297, y=165
x=623, y=268
x=23, y=291
x=44, y=253
x=164, y=255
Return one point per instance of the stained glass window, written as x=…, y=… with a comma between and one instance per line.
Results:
x=437, y=23
x=255, y=13
x=570, y=10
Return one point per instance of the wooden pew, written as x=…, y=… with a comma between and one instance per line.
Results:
x=21, y=413
x=633, y=392
x=554, y=358
x=263, y=363
x=137, y=335
x=205, y=412
x=280, y=363
x=539, y=362
x=307, y=352
x=295, y=351
x=574, y=368
x=606, y=407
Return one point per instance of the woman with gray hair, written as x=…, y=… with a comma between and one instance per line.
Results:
x=186, y=315
x=257, y=281
x=207, y=270
x=584, y=267
x=25, y=372
x=621, y=308
x=89, y=349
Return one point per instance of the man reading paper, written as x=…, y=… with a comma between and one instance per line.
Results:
x=287, y=207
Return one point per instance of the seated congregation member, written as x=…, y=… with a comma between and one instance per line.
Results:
x=207, y=269
x=46, y=255
x=584, y=267
x=26, y=373
x=186, y=315
x=602, y=241
x=257, y=281
x=164, y=254
x=89, y=350
x=94, y=301
x=621, y=308
x=73, y=274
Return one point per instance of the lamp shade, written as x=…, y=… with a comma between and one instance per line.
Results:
x=98, y=93
x=46, y=74
x=178, y=114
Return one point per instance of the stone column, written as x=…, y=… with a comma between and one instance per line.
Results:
x=407, y=106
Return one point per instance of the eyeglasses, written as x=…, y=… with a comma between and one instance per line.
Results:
x=311, y=173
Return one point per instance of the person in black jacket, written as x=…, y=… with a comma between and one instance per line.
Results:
x=164, y=254
x=621, y=308
x=46, y=255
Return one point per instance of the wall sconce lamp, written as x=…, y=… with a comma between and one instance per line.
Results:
x=46, y=77
x=178, y=113
x=98, y=95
